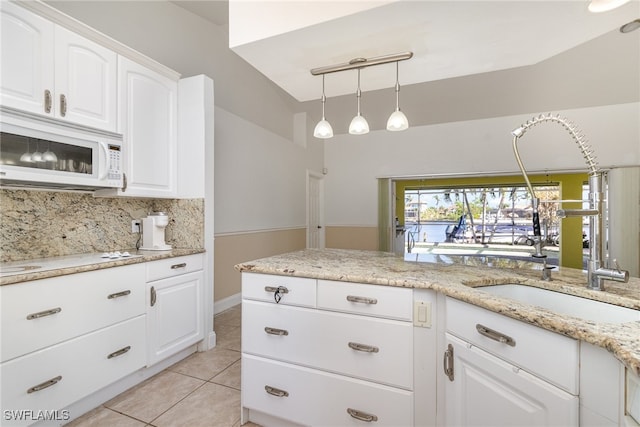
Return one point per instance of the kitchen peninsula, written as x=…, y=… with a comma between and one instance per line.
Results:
x=288, y=293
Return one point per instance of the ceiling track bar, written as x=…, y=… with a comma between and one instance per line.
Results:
x=362, y=63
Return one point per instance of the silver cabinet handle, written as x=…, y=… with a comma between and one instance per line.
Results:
x=119, y=294
x=362, y=300
x=363, y=347
x=280, y=289
x=119, y=352
x=44, y=313
x=45, y=384
x=47, y=101
x=63, y=105
x=362, y=416
x=448, y=362
x=153, y=296
x=181, y=265
x=495, y=335
x=276, y=391
x=275, y=331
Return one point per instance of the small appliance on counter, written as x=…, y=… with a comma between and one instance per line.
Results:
x=153, y=232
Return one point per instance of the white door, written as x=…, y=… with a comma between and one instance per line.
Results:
x=487, y=391
x=148, y=121
x=174, y=315
x=27, y=60
x=315, y=226
x=86, y=81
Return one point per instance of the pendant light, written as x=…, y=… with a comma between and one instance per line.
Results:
x=598, y=6
x=359, y=125
x=323, y=129
x=397, y=120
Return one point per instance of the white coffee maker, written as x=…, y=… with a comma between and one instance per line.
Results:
x=153, y=232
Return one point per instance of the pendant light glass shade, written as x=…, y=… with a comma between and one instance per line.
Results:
x=359, y=125
x=323, y=129
x=597, y=6
x=397, y=120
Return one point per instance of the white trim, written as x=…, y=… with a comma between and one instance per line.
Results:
x=322, y=238
x=263, y=230
x=227, y=303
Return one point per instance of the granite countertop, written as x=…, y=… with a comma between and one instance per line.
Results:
x=458, y=279
x=42, y=268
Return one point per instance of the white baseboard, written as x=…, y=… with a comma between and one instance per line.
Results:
x=226, y=303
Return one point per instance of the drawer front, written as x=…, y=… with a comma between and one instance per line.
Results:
x=371, y=300
x=170, y=267
x=44, y=312
x=319, y=398
x=378, y=350
x=548, y=355
x=292, y=290
x=82, y=366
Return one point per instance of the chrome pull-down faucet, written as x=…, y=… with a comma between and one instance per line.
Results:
x=596, y=272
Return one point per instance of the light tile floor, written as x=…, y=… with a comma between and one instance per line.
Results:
x=202, y=390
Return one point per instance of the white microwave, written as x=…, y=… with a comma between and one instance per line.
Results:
x=37, y=152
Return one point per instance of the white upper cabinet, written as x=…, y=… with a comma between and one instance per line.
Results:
x=86, y=81
x=147, y=119
x=49, y=70
x=27, y=59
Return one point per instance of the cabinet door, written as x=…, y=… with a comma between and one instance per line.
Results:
x=174, y=315
x=86, y=79
x=26, y=58
x=488, y=391
x=147, y=119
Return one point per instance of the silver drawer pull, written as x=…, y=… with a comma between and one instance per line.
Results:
x=279, y=289
x=362, y=416
x=119, y=352
x=275, y=331
x=45, y=384
x=181, y=265
x=47, y=101
x=63, y=105
x=276, y=391
x=44, y=313
x=119, y=294
x=495, y=335
x=362, y=300
x=363, y=347
x=448, y=362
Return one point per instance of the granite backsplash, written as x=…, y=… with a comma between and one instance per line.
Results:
x=36, y=224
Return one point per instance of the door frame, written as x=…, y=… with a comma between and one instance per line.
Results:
x=320, y=203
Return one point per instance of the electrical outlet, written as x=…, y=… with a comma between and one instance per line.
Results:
x=135, y=225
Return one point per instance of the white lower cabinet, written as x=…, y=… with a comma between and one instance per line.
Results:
x=341, y=359
x=175, y=305
x=317, y=398
x=498, y=371
x=60, y=375
x=484, y=390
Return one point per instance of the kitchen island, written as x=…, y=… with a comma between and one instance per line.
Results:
x=449, y=282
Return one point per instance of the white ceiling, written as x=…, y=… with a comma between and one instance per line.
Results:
x=449, y=38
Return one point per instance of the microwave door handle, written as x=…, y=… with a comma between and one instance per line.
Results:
x=103, y=163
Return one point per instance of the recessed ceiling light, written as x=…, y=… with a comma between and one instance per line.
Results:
x=630, y=26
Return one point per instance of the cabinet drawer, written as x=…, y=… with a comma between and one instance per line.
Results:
x=293, y=290
x=371, y=300
x=84, y=365
x=170, y=267
x=319, y=398
x=379, y=350
x=44, y=312
x=548, y=355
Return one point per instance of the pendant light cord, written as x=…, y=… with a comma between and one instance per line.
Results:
x=358, y=93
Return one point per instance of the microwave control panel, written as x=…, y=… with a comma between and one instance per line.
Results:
x=114, y=162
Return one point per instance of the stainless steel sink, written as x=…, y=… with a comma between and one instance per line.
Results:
x=565, y=304
x=18, y=269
